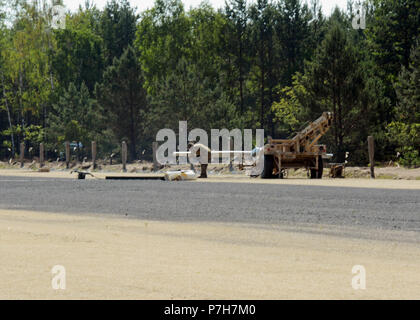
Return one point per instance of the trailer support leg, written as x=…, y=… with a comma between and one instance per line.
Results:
x=279, y=164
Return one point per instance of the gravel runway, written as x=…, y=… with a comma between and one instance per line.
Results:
x=381, y=209
x=202, y=240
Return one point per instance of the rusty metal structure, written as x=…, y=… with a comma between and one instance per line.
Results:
x=301, y=151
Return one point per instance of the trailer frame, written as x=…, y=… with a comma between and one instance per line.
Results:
x=301, y=151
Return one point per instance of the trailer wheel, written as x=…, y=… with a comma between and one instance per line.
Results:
x=320, y=168
x=317, y=174
x=268, y=167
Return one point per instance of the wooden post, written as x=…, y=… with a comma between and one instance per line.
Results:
x=232, y=155
x=280, y=174
x=22, y=154
x=67, y=155
x=124, y=156
x=94, y=154
x=41, y=155
x=155, y=162
x=371, y=147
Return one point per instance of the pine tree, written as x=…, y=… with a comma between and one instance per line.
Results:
x=238, y=44
x=405, y=130
x=78, y=57
x=118, y=28
x=74, y=117
x=333, y=81
x=262, y=35
x=337, y=83
x=294, y=36
x=123, y=98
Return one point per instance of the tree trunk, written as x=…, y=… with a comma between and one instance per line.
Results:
x=241, y=80
x=8, y=116
x=132, y=145
x=262, y=82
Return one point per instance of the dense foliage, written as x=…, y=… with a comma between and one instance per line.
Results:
x=113, y=75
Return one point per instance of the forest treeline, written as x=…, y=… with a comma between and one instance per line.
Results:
x=113, y=75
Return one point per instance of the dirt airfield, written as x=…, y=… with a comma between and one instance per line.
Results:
x=240, y=178
x=106, y=257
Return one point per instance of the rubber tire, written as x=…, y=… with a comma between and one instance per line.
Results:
x=320, y=168
x=268, y=167
x=317, y=174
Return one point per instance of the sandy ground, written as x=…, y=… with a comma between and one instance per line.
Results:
x=384, y=171
x=354, y=183
x=351, y=182
x=110, y=258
